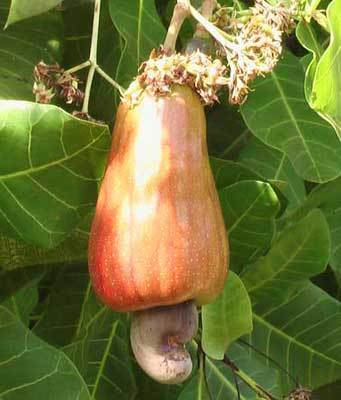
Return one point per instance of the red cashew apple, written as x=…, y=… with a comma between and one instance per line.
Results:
x=158, y=236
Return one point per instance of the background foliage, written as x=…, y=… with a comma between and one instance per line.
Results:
x=277, y=166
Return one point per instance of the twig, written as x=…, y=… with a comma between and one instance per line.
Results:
x=77, y=68
x=259, y=390
x=110, y=80
x=206, y=11
x=92, y=62
x=219, y=35
x=202, y=368
x=180, y=13
x=93, y=56
x=237, y=384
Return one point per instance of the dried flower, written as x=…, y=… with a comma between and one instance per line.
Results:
x=42, y=93
x=68, y=89
x=51, y=80
x=252, y=48
x=197, y=70
x=299, y=393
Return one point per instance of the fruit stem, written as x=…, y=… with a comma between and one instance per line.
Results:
x=180, y=13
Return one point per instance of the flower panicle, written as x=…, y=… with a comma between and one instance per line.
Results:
x=256, y=43
x=51, y=80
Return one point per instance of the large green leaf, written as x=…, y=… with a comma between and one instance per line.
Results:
x=13, y=281
x=249, y=209
x=271, y=164
x=334, y=220
x=221, y=382
x=327, y=197
x=16, y=255
x=21, y=264
x=100, y=350
x=278, y=114
x=148, y=389
x=227, y=318
x=226, y=131
x=22, y=46
x=49, y=182
x=23, y=303
x=228, y=172
x=31, y=369
x=22, y=9
x=63, y=309
x=326, y=91
x=302, y=333
x=93, y=336
x=140, y=26
x=301, y=251
x=197, y=387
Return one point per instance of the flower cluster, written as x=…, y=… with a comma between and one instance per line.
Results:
x=197, y=70
x=51, y=80
x=252, y=43
x=299, y=393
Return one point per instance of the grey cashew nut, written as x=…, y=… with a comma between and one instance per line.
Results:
x=158, y=336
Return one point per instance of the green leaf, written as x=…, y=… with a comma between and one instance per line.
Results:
x=227, y=318
x=334, y=221
x=49, y=182
x=196, y=389
x=300, y=252
x=140, y=26
x=30, y=367
x=221, y=381
x=302, y=334
x=272, y=164
x=307, y=36
x=226, y=131
x=228, y=172
x=21, y=264
x=12, y=281
x=16, y=254
x=63, y=308
x=22, y=9
x=93, y=336
x=100, y=350
x=326, y=197
x=23, y=303
x=329, y=392
x=22, y=46
x=326, y=91
x=278, y=114
x=249, y=209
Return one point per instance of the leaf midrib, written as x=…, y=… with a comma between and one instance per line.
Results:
x=293, y=120
x=292, y=339
x=104, y=358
